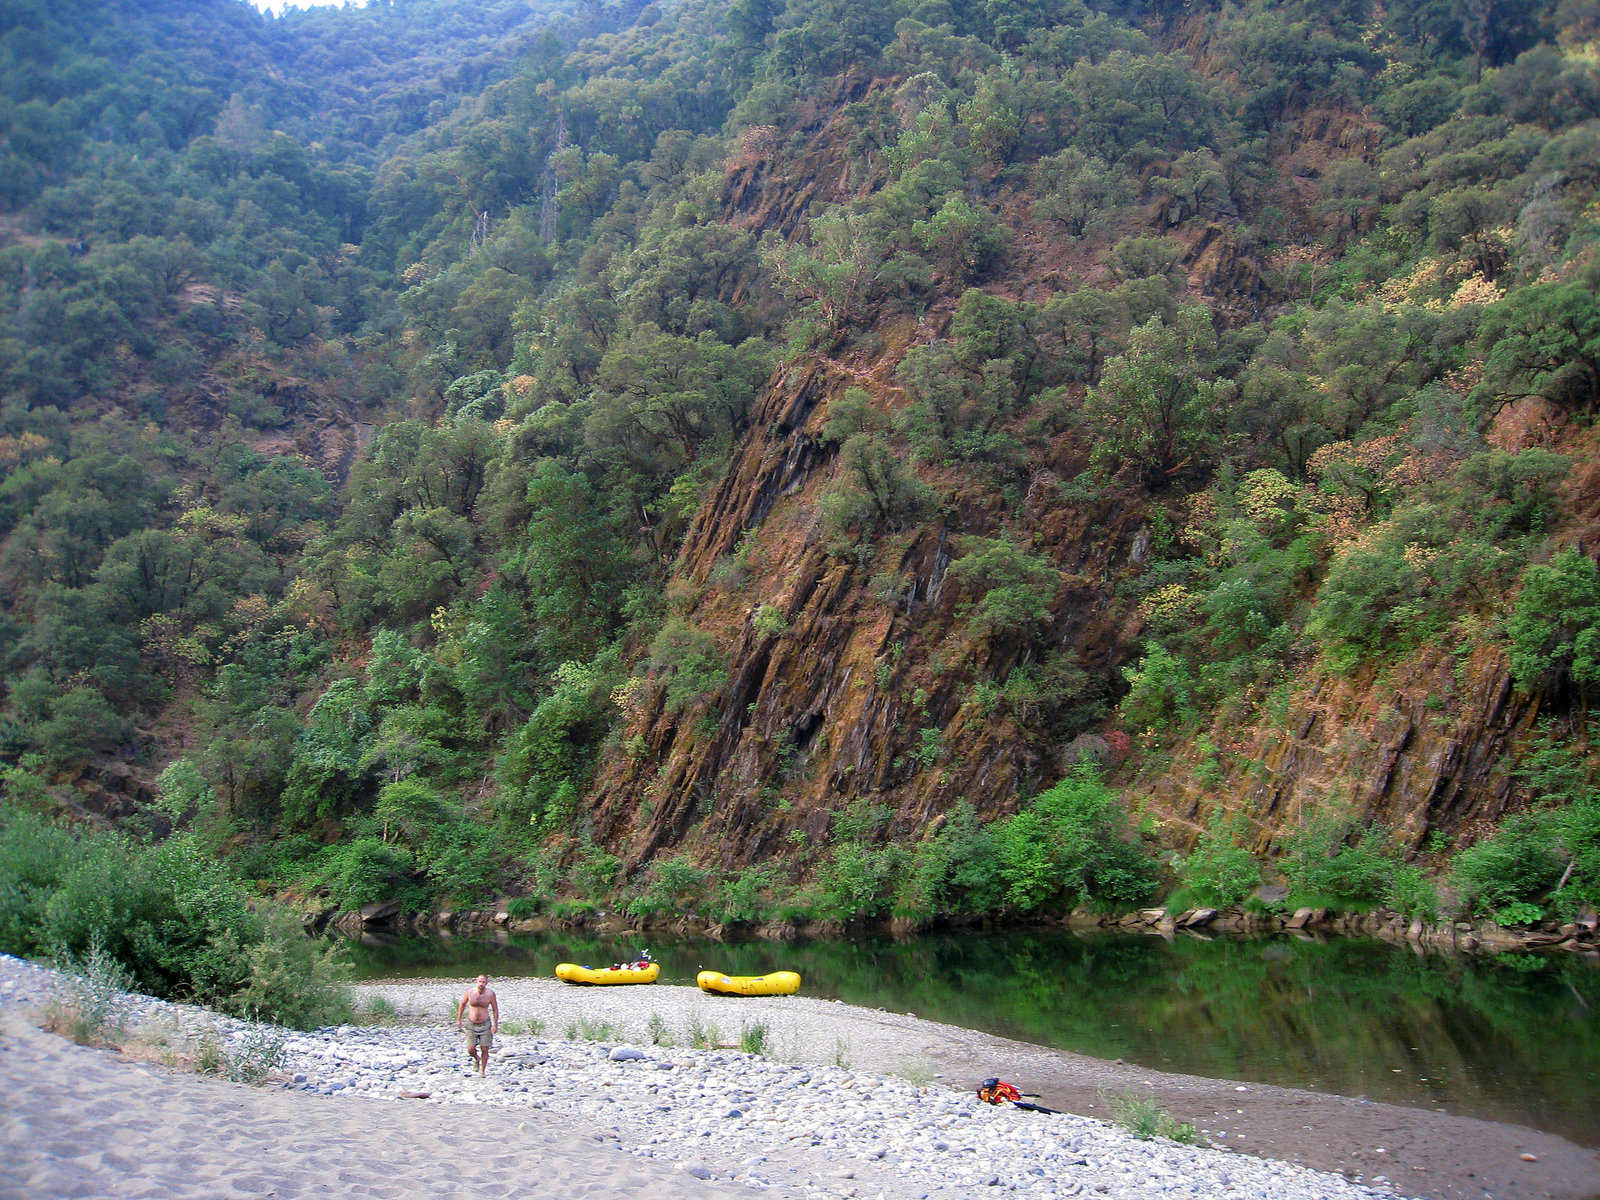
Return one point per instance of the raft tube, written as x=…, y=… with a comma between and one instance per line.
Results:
x=777, y=983
x=573, y=973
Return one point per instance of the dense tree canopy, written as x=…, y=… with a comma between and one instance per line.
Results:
x=363, y=372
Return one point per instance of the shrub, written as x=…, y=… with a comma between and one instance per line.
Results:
x=881, y=493
x=1072, y=842
x=34, y=855
x=1220, y=871
x=1411, y=893
x=594, y=871
x=855, y=882
x=689, y=658
x=1370, y=598
x=181, y=790
x=172, y=917
x=291, y=979
x=1161, y=691
x=82, y=722
x=745, y=897
x=953, y=871
x=676, y=886
x=1015, y=588
x=1559, y=774
x=1145, y=1119
x=1555, y=626
x=1330, y=860
x=91, y=1003
x=769, y=621
x=1516, y=864
x=465, y=863
x=366, y=870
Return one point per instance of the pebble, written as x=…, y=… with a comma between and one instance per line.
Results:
x=719, y=1114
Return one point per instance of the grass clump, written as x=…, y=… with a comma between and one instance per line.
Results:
x=532, y=1026
x=1141, y=1116
x=91, y=1005
x=755, y=1038
x=253, y=1055
x=918, y=1074
x=660, y=1031
x=589, y=1029
x=702, y=1035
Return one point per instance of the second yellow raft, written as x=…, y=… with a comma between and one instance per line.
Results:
x=777, y=983
x=573, y=973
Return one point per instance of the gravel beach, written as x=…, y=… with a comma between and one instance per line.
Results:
x=844, y=1102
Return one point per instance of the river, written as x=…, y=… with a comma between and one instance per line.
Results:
x=1510, y=1038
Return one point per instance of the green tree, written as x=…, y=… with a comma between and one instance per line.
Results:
x=1072, y=843
x=1555, y=627
x=962, y=239
x=1545, y=339
x=1155, y=411
x=411, y=809
x=572, y=564
x=1015, y=588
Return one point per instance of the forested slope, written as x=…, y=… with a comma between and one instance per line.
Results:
x=832, y=460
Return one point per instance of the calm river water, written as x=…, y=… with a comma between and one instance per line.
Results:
x=1509, y=1038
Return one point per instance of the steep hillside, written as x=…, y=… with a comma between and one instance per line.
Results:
x=834, y=460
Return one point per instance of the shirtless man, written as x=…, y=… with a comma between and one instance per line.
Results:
x=482, y=1012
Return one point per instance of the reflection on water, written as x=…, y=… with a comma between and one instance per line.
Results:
x=1514, y=1038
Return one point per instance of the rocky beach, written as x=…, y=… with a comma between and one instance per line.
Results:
x=616, y=1091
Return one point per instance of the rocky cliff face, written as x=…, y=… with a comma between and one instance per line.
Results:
x=1422, y=746
x=875, y=685
x=834, y=707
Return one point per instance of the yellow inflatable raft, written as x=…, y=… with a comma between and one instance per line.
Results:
x=777, y=983
x=573, y=973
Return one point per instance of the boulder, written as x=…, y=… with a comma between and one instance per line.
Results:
x=1272, y=893
x=1199, y=918
x=348, y=923
x=1152, y=916
x=316, y=922
x=1301, y=918
x=382, y=913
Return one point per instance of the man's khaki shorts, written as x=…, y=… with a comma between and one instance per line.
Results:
x=479, y=1033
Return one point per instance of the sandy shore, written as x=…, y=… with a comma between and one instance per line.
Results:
x=80, y=1122
x=1435, y=1155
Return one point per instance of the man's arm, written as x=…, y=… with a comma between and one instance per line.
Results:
x=461, y=1008
x=494, y=1007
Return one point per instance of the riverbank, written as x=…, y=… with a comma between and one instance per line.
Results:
x=1482, y=936
x=605, y=1118
x=1418, y=1152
